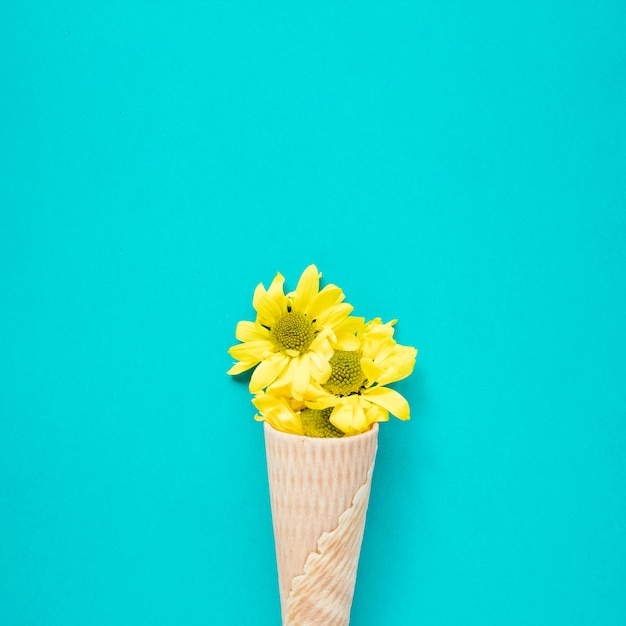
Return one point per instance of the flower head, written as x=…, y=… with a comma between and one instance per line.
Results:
x=317, y=370
x=356, y=389
x=294, y=335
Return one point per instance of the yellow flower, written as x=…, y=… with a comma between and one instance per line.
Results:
x=288, y=415
x=279, y=411
x=356, y=387
x=294, y=335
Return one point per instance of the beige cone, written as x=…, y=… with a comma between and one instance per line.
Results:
x=319, y=491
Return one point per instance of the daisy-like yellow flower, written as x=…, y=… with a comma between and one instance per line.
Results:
x=294, y=336
x=356, y=389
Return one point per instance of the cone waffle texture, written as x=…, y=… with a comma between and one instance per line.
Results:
x=319, y=491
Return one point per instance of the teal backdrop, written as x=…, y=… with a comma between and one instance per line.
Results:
x=459, y=166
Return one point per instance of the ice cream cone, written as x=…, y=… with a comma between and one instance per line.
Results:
x=319, y=491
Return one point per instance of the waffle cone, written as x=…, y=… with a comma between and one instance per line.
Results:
x=319, y=492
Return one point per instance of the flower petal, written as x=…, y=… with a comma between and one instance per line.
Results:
x=375, y=413
x=398, y=365
x=270, y=304
x=277, y=412
x=323, y=401
x=268, y=371
x=370, y=369
x=390, y=400
x=324, y=300
x=307, y=289
x=349, y=416
x=251, y=331
x=238, y=368
x=320, y=367
x=336, y=315
x=301, y=368
x=252, y=351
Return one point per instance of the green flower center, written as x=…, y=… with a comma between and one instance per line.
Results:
x=293, y=331
x=346, y=376
x=317, y=423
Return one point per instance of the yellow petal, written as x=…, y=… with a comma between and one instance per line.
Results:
x=341, y=417
x=370, y=369
x=398, y=365
x=349, y=416
x=321, y=345
x=240, y=367
x=336, y=315
x=320, y=367
x=268, y=371
x=390, y=400
x=324, y=300
x=375, y=413
x=378, y=339
x=277, y=412
x=351, y=325
x=250, y=331
x=323, y=401
x=266, y=402
x=276, y=291
x=349, y=343
x=301, y=369
x=347, y=333
x=307, y=289
x=253, y=351
x=270, y=304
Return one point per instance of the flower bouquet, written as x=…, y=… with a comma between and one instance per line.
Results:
x=319, y=382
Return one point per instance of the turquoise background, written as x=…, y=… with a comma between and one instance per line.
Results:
x=457, y=166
